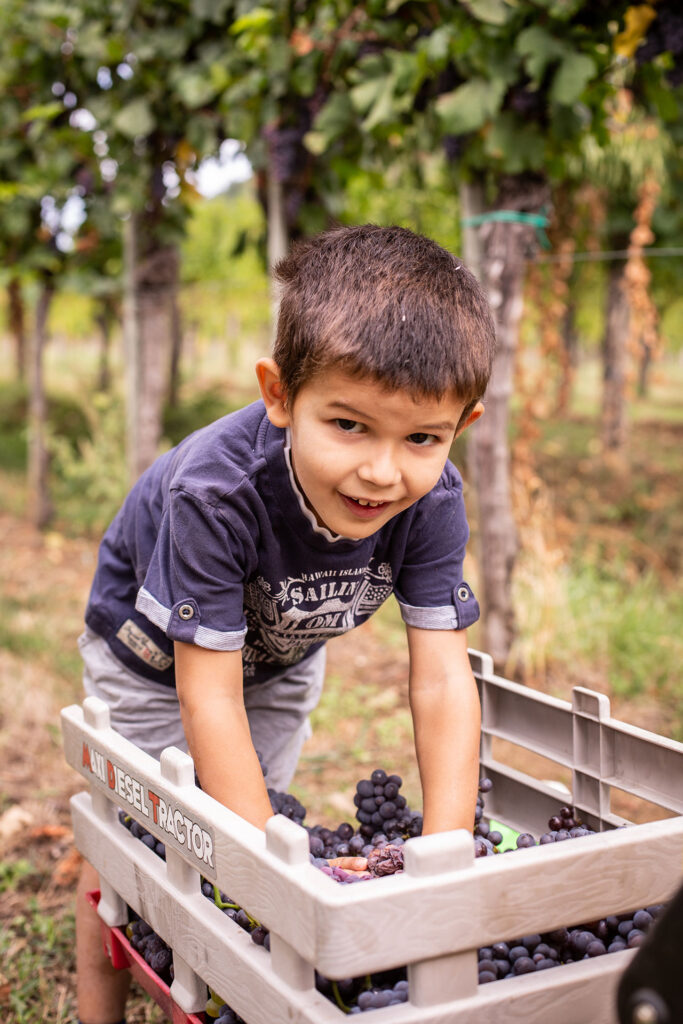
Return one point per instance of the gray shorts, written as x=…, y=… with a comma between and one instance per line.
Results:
x=148, y=713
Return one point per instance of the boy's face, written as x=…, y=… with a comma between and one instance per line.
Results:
x=362, y=454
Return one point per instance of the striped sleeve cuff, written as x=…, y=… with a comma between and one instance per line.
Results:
x=178, y=624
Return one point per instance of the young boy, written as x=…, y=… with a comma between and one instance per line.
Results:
x=239, y=553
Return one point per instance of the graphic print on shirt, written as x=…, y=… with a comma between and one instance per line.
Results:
x=309, y=609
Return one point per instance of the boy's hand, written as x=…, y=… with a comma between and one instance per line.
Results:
x=354, y=865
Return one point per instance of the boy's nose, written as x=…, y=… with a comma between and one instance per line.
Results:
x=380, y=468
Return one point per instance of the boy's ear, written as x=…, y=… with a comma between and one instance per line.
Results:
x=272, y=392
x=475, y=414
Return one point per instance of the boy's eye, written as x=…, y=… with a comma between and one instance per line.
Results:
x=423, y=439
x=349, y=426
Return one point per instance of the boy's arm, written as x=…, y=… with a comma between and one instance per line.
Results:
x=447, y=720
x=209, y=685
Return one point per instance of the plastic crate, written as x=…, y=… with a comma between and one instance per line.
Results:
x=433, y=917
x=124, y=957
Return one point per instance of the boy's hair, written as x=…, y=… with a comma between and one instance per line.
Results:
x=384, y=303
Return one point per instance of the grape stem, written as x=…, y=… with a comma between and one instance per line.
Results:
x=225, y=906
x=338, y=999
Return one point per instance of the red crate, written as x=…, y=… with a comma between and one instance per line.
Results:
x=124, y=957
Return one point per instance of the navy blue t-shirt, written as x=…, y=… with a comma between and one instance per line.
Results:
x=216, y=546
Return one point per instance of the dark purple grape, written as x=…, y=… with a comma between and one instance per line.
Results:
x=596, y=948
x=642, y=919
x=161, y=960
x=378, y=777
x=488, y=965
x=525, y=840
x=258, y=934
x=316, y=846
x=485, y=785
x=523, y=965
x=516, y=952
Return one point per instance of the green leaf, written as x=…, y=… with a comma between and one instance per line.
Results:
x=494, y=12
x=195, y=87
x=334, y=118
x=470, y=105
x=42, y=112
x=572, y=77
x=365, y=95
x=519, y=147
x=538, y=48
x=134, y=119
x=257, y=19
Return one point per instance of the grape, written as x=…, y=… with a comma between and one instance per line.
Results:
x=385, y=861
x=487, y=976
x=525, y=840
x=488, y=965
x=642, y=919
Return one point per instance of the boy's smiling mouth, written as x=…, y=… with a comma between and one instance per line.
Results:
x=365, y=507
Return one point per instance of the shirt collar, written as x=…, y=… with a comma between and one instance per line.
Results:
x=332, y=538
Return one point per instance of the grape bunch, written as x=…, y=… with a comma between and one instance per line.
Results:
x=486, y=839
x=537, y=952
x=367, y=992
x=383, y=811
x=665, y=35
x=236, y=913
x=141, y=833
x=287, y=804
x=157, y=954
x=340, y=842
